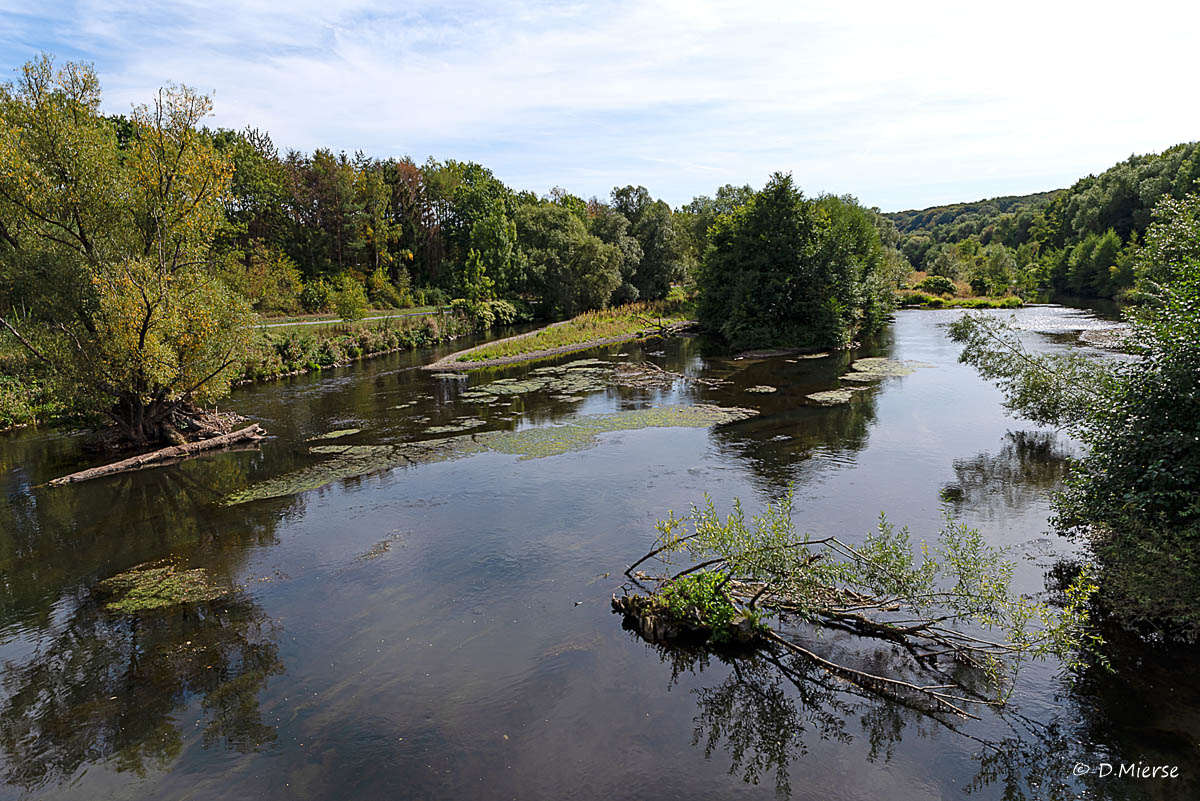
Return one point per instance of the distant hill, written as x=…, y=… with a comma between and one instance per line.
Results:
x=913, y=220
x=1081, y=240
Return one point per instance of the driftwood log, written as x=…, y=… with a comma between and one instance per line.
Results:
x=164, y=455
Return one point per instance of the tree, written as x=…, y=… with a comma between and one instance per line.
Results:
x=474, y=282
x=785, y=270
x=650, y=224
x=1132, y=496
x=572, y=270
x=350, y=300
x=612, y=227
x=108, y=277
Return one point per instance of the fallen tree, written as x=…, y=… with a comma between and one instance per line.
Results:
x=164, y=455
x=949, y=608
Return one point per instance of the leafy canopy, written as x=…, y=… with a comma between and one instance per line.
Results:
x=107, y=280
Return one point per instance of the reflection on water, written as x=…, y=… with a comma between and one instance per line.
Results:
x=101, y=688
x=441, y=629
x=1028, y=466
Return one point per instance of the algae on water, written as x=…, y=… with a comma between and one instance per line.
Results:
x=349, y=461
x=885, y=367
x=461, y=424
x=833, y=397
x=865, y=371
x=338, y=434
x=157, y=585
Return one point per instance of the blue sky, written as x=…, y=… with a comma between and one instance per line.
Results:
x=901, y=104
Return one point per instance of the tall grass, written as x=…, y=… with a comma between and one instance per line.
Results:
x=588, y=327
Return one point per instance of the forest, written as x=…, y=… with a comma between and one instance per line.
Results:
x=1084, y=241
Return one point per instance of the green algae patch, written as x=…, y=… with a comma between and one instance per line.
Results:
x=351, y=461
x=862, y=378
x=834, y=397
x=886, y=367
x=762, y=389
x=338, y=434
x=865, y=372
x=157, y=585
x=463, y=424
x=582, y=432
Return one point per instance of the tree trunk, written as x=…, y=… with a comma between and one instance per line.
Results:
x=253, y=432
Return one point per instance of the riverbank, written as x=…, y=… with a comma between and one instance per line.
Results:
x=281, y=353
x=588, y=330
x=273, y=353
x=907, y=299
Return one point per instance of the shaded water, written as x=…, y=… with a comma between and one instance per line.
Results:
x=441, y=629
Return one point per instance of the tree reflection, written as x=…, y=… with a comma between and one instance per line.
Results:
x=767, y=704
x=54, y=540
x=108, y=687
x=1029, y=465
x=778, y=444
x=104, y=687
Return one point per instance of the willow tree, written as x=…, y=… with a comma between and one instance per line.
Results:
x=106, y=275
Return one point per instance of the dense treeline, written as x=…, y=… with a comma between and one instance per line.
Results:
x=136, y=250
x=302, y=228
x=1084, y=240
x=1132, y=494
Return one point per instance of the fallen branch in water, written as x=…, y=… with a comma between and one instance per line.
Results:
x=164, y=455
x=949, y=608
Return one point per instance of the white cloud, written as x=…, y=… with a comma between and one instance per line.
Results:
x=899, y=104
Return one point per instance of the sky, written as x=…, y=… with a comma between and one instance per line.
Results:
x=903, y=105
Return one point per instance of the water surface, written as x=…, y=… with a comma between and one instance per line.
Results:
x=442, y=629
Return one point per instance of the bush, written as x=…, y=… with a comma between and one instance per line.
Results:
x=938, y=285
x=431, y=296
x=316, y=296
x=383, y=293
x=350, y=301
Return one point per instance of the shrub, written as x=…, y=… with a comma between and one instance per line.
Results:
x=316, y=296
x=350, y=301
x=383, y=293
x=938, y=285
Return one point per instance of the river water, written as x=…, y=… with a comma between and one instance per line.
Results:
x=440, y=627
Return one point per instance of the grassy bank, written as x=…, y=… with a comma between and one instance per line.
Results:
x=924, y=291
x=908, y=299
x=579, y=332
x=274, y=352
x=290, y=351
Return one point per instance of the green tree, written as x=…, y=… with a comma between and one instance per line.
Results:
x=650, y=224
x=785, y=270
x=108, y=275
x=1132, y=496
x=350, y=300
x=569, y=268
x=612, y=227
x=475, y=284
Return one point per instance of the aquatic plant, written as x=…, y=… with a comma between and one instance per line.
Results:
x=157, y=585
x=948, y=605
x=349, y=461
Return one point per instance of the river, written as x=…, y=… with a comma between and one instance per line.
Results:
x=434, y=623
